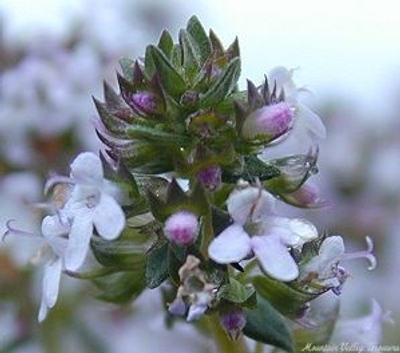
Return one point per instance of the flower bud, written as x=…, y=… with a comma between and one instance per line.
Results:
x=210, y=178
x=182, y=228
x=270, y=122
x=143, y=103
x=233, y=322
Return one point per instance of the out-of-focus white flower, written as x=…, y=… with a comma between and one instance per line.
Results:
x=256, y=231
x=91, y=204
x=308, y=120
x=54, y=233
x=54, y=239
x=365, y=332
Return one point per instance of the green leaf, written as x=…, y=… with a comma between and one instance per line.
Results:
x=112, y=99
x=251, y=169
x=170, y=78
x=176, y=258
x=127, y=252
x=120, y=287
x=127, y=66
x=285, y=299
x=155, y=135
x=111, y=122
x=223, y=85
x=157, y=266
x=166, y=43
x=191, y=63
x=202, y=43
x=236, y=292
x=266, y=325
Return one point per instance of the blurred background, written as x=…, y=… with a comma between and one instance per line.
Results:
x=54, y=55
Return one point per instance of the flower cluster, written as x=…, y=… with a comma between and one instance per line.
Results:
x=199, y=216
x=90, y=206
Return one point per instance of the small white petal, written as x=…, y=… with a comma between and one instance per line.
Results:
x=249, y=202
x=87, y=166
x=331, y=250
x=303, y=231
x=52, y=227
x=108, y=217
x=50, y=287
x=79, y=239
x=282, y=77
x=51, y=281
x=232, y=245
x=43, y=310
x=275, y=258
x=311, y=120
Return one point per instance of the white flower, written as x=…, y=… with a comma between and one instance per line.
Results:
x=365, y=332
x=282, y=78
x=325, y=268
x=91, y=205
x=256, y=230
x=55, y=234
x=54, y=237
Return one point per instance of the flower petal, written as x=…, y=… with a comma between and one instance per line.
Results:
x=108, y=217
x=274, y=258
x=51, y=285
x=249, y=202
x=282, y=77
x=330, y=252
x=79, y=239
x=311, y=120
x=232, y=245
x=87, y=167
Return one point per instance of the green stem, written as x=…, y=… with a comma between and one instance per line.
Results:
x=224, y=343
x=207, y=233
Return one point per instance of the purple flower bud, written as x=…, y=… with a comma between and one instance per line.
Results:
x=270, y=121
x=182, y=228
x=143, y=102
x=210, y=178
x=233, y=322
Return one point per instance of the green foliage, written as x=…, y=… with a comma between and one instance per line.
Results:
x=266, y=325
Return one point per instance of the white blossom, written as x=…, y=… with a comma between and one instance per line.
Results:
x=91, y=205
x=257, y=231
x=308, y=120
x=365, y=332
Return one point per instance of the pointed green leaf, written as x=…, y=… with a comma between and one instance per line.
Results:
x=112, y=99
x=120, y=287
x=127, y=66
x=171, y=80
x=191, y=62
x=166, y=43
x=157, y=266
x=266, y=325
x=154, y=135
x=284, y=298
x=114, y=124
x=202, y=43
x=128, y=251
x=233, y=51
x=217, y=47
x=176, y=258
x=223, y=85
x=236, y=292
